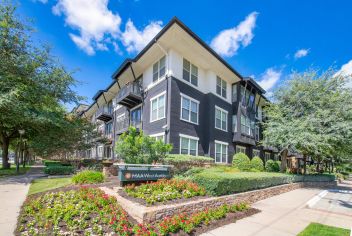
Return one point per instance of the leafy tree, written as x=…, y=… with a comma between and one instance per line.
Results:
x=311, y=113
x=33, y=84
x=136, y=148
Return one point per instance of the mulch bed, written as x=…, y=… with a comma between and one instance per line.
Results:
x=230, y=218
x=141, y=201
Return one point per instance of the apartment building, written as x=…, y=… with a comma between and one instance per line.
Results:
x=177, y=89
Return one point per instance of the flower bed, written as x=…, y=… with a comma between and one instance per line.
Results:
x=165, y=190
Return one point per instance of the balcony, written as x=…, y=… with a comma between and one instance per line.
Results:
x=130, y=95
x=122, y=125
x=104, y=114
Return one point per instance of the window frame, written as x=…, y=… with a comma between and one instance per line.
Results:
x=157, y=97
x=183, y=96
x=257, y=133
x=265, y=156
x=226, y=118
x=189, y=143
x=246, y=125
x=190, y=71
x=162, y=134
x=221, y=149
x=222, y=87
x=240, y=147
x=159, y=78
x=255, y=150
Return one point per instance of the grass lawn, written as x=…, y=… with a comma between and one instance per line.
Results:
x=12, y=171
x=42, y=185
x=314, y=229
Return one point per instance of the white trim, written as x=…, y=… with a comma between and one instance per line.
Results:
x=157, y=134
x=190, y=73
x=227, y=151
x=193, y=100
x=189, y=143
x=227, y=118
x=151, y=101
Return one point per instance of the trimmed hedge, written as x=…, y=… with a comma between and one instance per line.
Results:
x=241, y=161
x=183, y=163
x=88, y=177
x=217, y=183
x=52, y=163
x=257, y=163
x=58, y=170
x=272, y=166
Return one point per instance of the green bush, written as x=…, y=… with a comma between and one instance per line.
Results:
x=58, y=170
x=52, y=163
x=272, y=166
x=183, y=163
x=257, y=164
x=241, y=161
x=218, y=184
x=88, y=177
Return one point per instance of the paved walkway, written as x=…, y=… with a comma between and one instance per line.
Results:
x=289, y=213
x=13, y=192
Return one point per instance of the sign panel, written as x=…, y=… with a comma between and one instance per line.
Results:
x=142, y=173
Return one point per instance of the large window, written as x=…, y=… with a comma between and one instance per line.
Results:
x=157, y=107
x=257, y=133
x=159, y=136
x=256, y=153
x=245, y=125
x=234, y=93
x=221, y=152
x=159, y=69
x=240, y=149
x=108, y=128
x=189, y=109
x=220, y=119
x=221, y=86
x=188, y=145
x=267, y=156
x=190, y=72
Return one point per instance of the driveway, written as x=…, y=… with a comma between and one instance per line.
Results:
x=13, y=192
x=289, y=213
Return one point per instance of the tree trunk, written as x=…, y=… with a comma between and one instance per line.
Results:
x=283, y=160
x=17, y=159
x=5, y=152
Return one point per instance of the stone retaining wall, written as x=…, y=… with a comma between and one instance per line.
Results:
x=144, y=214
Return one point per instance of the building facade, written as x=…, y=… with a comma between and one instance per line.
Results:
x=177, y=89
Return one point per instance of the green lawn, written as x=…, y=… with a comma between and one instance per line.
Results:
x=42, y=185
x=314, y=229
x=12, y=171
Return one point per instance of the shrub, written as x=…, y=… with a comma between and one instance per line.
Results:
x=182, y=163
x=58, y=170
x=272, y=166
x=136, y=148
x=241, y=161
x=88, y=177
x=52, y=163
x=257, y=164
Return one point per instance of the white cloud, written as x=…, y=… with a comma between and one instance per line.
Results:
x=346, y=70
x=301, y=53
x=269, y=78
x=228, y=41
x=94, y=21
x=134, y=40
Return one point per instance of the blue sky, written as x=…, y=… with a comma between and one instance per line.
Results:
x=264, y=39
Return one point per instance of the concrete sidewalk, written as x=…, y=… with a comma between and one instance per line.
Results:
x=287, y=214
x=13, y=192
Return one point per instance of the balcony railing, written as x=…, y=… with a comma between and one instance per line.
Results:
x=104, y=114
x=123, y=124
x=130, y=95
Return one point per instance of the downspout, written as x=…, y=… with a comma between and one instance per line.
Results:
x=168, y=97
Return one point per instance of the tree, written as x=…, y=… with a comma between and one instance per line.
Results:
x=33, y=85
x=136, y=148
x=311, y=113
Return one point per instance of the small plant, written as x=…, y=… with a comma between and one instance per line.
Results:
x=58, y=170
x=272, y=166
x=241, y=161
x=88, y=177
x=257, y=163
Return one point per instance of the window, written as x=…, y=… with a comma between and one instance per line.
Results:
x=220, y=119
x=221, y=87
x=188, y=145
x=240, y=149
x=221, y=152
x=108, y=128
x=189, y=109
x=234, y=123
x=190, y=72
x=136, y=116
x=100, y=151
x=257, y=133
x=267, y=156
x=107, y=152
x=245, y=125
x=234, y=93
x=251, y=99
x=157, y=107
x=259, y=113
x=159, y=69
x=159, y=136
x=256, y=153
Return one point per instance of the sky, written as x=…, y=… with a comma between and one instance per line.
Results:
x=266, y=40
